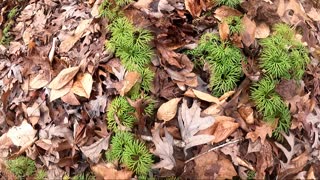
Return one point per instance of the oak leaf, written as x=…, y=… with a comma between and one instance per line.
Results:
x=191, y=123
x=164, y=149
x=260, y=131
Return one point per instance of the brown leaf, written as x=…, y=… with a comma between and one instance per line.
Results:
x=83, y=85
x=262, y=31
x=224, y=31
x=224, y=11
x=246, y=112
x=105, y=172
x=201, y=95
x=168, y=110
x=314, y=14
x=260, y=131
x=71, y=99
x=194, y=7
x=69, y=42
x=248, y=34
x=63, y=78
x=58, y=93
x=93, y=152
x=130, y=79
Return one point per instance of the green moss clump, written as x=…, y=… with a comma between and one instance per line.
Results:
x=22, y=166
x=83, y=176
x=120, y=108
x=40, y=175
x=230, y=3
x=131, y=152
x=235, y=24
x=224, y=60
x=111, y=9
x=282, y=57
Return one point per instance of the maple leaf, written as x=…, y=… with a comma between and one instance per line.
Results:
x=164, y=149
x=190, y=123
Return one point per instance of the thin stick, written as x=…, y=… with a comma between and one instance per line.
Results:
x=214, y=148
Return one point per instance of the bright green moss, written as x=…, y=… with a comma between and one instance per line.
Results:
x=120, y=108
x=118, y=143
x=224, y=60
x=230, y=3
x=235, y=24
x=22, y=166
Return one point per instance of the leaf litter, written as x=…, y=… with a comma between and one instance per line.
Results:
x=57, y=83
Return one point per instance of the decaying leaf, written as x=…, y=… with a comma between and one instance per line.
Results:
x=83, y=85
x=164, y=149
x=93, y=152
x=262, y=31
x=224, y=11
x=201, y=95
x=39, y=81
x=23, y=134
x=106, y=171
x=168, y=110
x=260, y=131
x=248, y=35
x=63, y=77
x=224, y=31
x=246, y=113
x=191, y=123
x=58, y=93
x=130, y=79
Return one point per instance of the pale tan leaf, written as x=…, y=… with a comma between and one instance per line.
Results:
x=248, y=34
x=212, y=110
x=191, y=123
x=164, y=149
x=93, y=152
x=83, y=85
x=314, y=14
x=226, y=95
x=168, y=110
x=205, y=96
x=262, y=31
x=224, y=30
x=130, y=79
x=105, y=171
x=58, y=93
x=23, y=134
x=63, y=78
x=39, y=81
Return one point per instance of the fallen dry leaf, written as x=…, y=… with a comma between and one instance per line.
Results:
x=130, y=79
x=164, y=149
x=58, y=93
x=262, y=31
x=191, y=123
x=224, y=30
x=23, y=134
x=201, y=95
x=83, y=85
x=246, y=112
x=248, y=34
x=194, y=7
x=105, y=171
x=260, y=131
x=39, y=81
x=168, y=110
x=63, y=78
x=69, y=42
x=71, y=99
x=314, y=14
x=93, y=152
x=224, y=11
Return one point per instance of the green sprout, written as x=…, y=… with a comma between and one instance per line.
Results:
x=111, y=9
x=235, y=24
x=224, y=60
x=40, y=175
x=118, y=143
x=251, y=175
x=22, y=166
x=120, y=109
x=230, y=3
x=83, y=176
x=137, y=158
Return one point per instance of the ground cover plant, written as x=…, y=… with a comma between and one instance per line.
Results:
x=146, y=89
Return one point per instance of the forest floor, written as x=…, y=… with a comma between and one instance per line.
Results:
x=176, y=85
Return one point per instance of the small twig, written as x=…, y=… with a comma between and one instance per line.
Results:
x=214, y=148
